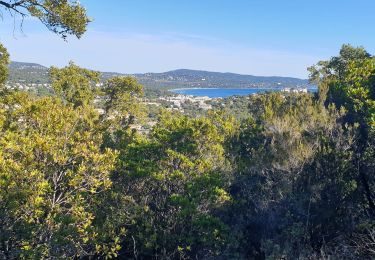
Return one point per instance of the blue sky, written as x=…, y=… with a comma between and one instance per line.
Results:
x=259, y=37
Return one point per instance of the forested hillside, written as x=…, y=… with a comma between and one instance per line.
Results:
x=35, y=73
x=291, y=177
x=23, y=72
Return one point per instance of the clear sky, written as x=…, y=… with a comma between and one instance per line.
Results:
x=259, y=37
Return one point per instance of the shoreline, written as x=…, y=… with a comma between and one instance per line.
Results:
x=176, y=89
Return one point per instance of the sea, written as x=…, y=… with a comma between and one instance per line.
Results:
x=227, y=92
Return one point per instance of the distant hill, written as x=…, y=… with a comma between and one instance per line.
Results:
x=182, y=78
x=26, y=66
x=198, y=78
x=24, y=72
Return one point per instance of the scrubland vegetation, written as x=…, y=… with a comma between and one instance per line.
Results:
x=292, y=177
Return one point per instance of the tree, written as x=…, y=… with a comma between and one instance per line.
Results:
x=177, y=178
x=62, y=17
x=349, y=81
x=118, y=92
x=293, y=159
x=55, y=168
x=52, y=171
x=4, y=62
x=75, y=85
x=121, y=100
x=336, y=68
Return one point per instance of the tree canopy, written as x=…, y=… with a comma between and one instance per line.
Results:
x=62, y=17
x=75, y=85
x=4, y=62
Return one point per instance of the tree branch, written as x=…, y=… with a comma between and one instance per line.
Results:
x=14, y=6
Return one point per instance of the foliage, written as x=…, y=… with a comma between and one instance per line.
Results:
x=349, y=81
x=277, y=152
x=178, y=177
x=4, y=61
x=62, y=17
x=52, y=170
x=55, y=172
x=74, y=84
x=121, y=95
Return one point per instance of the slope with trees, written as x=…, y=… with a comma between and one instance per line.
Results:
x=290, y=178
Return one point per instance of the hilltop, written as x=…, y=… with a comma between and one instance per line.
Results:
x=198, y=78
x=25, y=72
